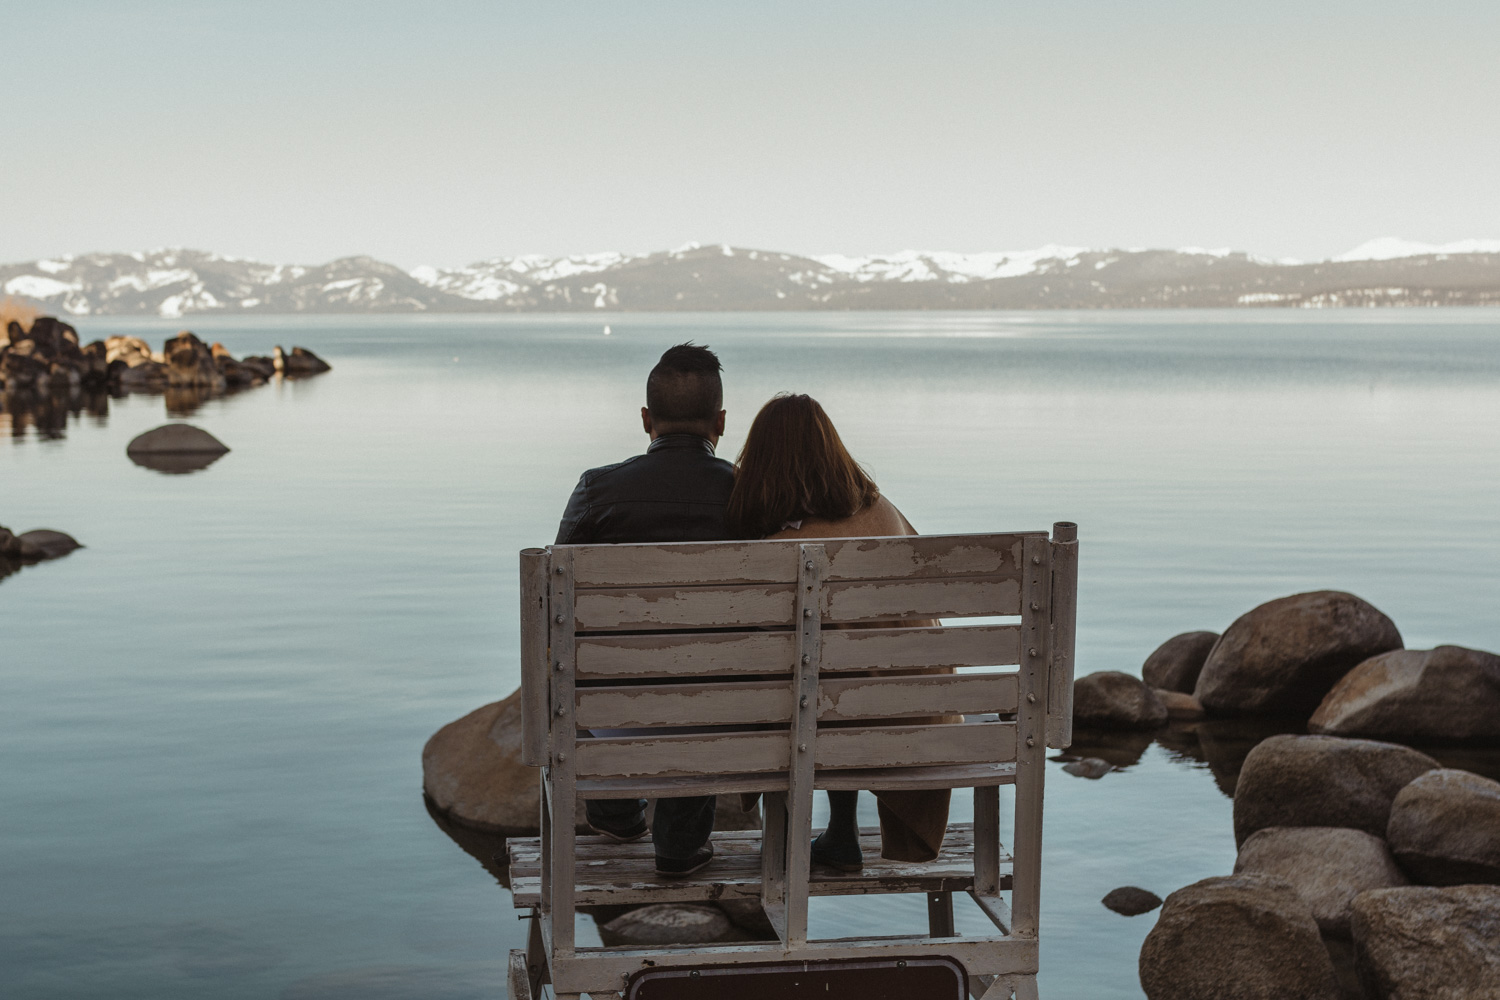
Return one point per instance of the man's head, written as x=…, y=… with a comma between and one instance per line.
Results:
x=684, y=394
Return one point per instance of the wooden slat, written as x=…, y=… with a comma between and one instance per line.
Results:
x=895, y=648
x=956, y=597
x=534, y=672
x=1064, y=615
x=693, y=654
x=726, y=654
x=684, y=607
x=625, y=873
x=647, y=706
x=904, y=696
x=698, y=563
x=698, y=753
x=920, y=556
x=685, y=563
x=904, y=746
x=843, y=779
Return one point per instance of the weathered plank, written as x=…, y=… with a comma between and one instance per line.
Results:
x=896, y=648
x=534, y=672
x=733, y=606
x=684, y=563
x=904, y=746
x=694, y=654
x=890, y=697
x=623, y=873
x=698, y=563
x=647, y=706
x=955, y=597
x=726, y=654
x=845, y=779
x=697, y=753
x=1064, y=616
x=920, y=556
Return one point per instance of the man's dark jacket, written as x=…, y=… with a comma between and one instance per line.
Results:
x=676, y=492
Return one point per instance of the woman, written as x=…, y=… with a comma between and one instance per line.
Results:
x=795, y=479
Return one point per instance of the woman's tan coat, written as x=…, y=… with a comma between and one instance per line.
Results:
x=912, y=823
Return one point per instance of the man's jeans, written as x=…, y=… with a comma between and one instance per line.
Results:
x=678, y=830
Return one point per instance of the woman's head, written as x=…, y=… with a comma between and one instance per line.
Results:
x=794, y=466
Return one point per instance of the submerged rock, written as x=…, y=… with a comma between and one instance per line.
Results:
x=1445, y=828
x=1322, y=781
x=1131, y=901
x=1285, y=655
x=1447, y=694
x=1177, y=662
x=1111, y=699
x=1089, y=767
x=669, y=923
x=1421, y=943
x=1239, y=937
x=1328, y=866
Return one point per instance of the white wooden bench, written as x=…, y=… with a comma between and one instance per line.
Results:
x=712, y=634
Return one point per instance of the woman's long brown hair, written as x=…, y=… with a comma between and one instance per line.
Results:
x=794, y=466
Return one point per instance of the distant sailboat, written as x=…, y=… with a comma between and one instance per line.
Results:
x=606, y=329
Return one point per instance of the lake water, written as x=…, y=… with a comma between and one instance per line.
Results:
x=211, y=718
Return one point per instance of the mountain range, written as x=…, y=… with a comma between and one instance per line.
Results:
x=1384, y=272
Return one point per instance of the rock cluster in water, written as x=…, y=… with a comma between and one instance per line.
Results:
x=46, y=369
x=1365, y=868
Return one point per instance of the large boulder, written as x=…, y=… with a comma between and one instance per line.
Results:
x=190, y=364
x=1111, y=699
x=44, y=543
x=1177, y=662
x=1447, y=694
x=472, y=771
x=1282, y=657
x=1421, y=943
x=1322, y=781
x=131, y=350
x=10, y=545
x=1238, y=937
x=1445, y=828
x=670, y=923
x=1327, y=865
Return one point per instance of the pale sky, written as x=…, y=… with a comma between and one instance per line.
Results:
x=443, y=133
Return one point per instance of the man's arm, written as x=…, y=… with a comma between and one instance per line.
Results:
x=575, y=526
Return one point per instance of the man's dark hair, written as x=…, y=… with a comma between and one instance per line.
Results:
x=684, y=387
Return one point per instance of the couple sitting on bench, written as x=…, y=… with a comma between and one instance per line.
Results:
x=794, y=479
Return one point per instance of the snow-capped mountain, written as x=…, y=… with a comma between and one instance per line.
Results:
x=718, y=277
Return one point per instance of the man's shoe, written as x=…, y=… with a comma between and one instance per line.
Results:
x=843, y=857
x=628, y=835
x=674, y=868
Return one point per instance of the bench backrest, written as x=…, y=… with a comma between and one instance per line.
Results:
x=628, y=649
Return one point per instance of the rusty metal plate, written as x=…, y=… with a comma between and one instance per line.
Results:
x=889, y=979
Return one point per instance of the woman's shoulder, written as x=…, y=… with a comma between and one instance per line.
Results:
x=879, y=517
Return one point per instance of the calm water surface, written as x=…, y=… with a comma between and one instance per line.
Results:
x=211, y=718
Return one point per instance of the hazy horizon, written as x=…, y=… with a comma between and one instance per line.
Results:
x=444, y=136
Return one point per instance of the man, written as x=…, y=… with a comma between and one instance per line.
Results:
x=676, y=492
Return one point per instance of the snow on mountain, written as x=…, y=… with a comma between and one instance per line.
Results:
x=1391, y=248
x=174, y=282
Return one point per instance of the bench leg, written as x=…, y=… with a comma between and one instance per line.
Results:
x=940, y=914
x=536, y=957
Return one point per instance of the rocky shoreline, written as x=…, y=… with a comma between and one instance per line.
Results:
x=1366, y=869
x=47, y=373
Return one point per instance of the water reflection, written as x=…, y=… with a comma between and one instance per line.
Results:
x=178, y=463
